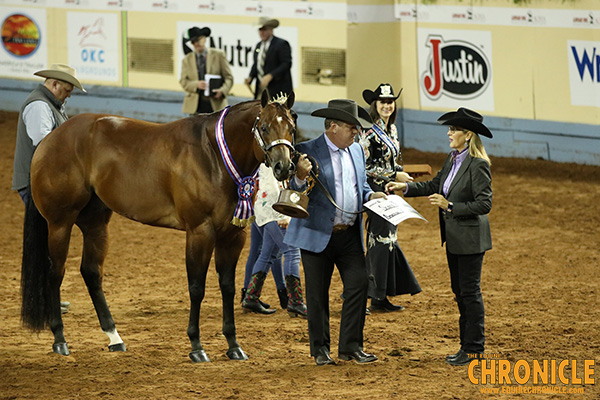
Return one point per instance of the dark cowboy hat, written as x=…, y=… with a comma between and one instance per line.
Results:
x=383, y=91
x=346, y=111
x=195, y=32
x=465, y=118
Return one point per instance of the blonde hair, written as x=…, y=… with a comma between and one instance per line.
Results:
x=476, y=148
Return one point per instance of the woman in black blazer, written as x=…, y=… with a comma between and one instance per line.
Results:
x=462, y=190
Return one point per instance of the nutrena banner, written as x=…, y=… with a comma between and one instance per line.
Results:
x=455, y=69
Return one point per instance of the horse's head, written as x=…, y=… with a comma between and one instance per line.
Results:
x=274, y=130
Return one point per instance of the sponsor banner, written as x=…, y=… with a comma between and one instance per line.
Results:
x=277, y=9
x=584, y=72
x=455, y=69
x=238, y=42
x=452, y=14
x=501, y=16
x=94, y=40
x=24, y=42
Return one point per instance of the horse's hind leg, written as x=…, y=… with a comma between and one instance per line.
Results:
x=59, y=236
x=227, y=253
x=93, y=222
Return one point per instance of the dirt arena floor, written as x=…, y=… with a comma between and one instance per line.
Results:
x=540, y=284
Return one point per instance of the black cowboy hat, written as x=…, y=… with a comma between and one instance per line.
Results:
x=465, y=118
x=346, y=111
x=195, y=32
x=383, y=91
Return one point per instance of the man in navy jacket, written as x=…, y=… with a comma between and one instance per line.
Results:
x=272, y=61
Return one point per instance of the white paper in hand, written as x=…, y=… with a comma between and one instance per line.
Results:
x=395, y=209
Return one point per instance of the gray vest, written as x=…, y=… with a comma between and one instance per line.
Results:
x=24, y=147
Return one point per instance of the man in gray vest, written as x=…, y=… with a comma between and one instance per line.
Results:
x=43, y=111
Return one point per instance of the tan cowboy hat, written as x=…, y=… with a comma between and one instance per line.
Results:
x=346, y=111
x=62, y=72
x=267, y=22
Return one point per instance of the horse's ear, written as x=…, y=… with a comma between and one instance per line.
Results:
x=264, y=99
x=290, y=100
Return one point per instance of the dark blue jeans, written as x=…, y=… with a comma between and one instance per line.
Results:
x=273, y=247
x=24, y=193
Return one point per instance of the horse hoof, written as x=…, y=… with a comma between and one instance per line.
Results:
x=61, y=348
x=117, y=347
x=199, y=356
x=237, y=354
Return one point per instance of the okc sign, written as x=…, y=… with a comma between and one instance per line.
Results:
x=455, y=69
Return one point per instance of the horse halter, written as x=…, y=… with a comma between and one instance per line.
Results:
x=258, y=136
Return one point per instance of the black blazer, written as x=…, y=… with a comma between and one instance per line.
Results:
x=466, y=230
x=278, y=62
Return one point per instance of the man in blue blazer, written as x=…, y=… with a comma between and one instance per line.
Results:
x=330, y=236
x=272, y=61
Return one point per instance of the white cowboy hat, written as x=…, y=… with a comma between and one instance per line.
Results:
x=62, y=72
x=266, y=21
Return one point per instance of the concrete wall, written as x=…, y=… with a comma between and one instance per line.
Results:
x=539, y=102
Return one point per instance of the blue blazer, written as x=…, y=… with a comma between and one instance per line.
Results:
x=313, y=233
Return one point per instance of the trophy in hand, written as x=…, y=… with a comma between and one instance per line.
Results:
x=292, y=202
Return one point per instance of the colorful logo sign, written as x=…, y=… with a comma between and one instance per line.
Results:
x=94, y=45
x=455, y=68
x=20, y=35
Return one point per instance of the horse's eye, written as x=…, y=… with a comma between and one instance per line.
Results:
x=263, y=128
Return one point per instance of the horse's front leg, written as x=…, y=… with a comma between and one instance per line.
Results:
x=200, y=243
x=227, y=253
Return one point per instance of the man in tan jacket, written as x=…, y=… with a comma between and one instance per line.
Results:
x=194, y=68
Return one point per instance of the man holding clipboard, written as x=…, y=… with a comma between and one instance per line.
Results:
x=205, y=74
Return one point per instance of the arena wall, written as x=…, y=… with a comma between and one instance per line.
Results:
x=535, y=64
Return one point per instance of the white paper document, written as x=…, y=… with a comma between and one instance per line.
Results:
x=395, y=209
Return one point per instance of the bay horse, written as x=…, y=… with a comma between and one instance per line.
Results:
x=170, y=175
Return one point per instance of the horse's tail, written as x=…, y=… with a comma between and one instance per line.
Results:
x=35, y=270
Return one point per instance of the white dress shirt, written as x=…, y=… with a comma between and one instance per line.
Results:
x=39, y=120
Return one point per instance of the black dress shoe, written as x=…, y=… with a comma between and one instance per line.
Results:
x=463, y=359
x=323, y=358
x=358, y=356
x=451, y=356
x=255, y=306
x=297, y=310
x=384, y=305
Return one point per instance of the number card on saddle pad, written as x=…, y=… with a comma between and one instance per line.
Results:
x=394, y=210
